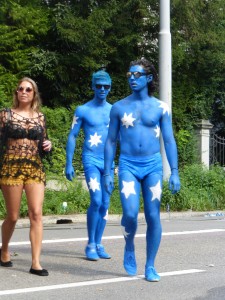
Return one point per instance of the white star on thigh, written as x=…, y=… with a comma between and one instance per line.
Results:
x=95, y=139
x=94, y=185
x=156, y=191
x=128, y=188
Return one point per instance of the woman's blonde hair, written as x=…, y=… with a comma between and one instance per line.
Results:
x=36, y=103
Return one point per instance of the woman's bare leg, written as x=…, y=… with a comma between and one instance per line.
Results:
x=35, y=198
x=12, y=195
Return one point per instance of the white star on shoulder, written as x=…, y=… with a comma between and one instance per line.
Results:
x=125, y=234
x=94, y=185
x=128, y=188
x=74, y=121
x=95, y=139
x=164, y=106
x=157, y=131
x=156, y=191
x=128, y=120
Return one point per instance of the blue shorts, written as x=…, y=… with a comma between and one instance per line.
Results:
x=90, y=162
x=140, y=167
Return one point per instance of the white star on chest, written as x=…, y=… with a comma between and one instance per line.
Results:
x=128, y=120
x=157, y=131
x=164, y=106
x=95, y=139
x=94, y=185
x=74, y=121
x=128, y=188
x=156, y=191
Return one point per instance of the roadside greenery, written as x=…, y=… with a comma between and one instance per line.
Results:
x=202, y=190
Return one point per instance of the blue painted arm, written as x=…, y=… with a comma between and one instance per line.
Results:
x=110, y=150
x=71, y=146
x=171, y=152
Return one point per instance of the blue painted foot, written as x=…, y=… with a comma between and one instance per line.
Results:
x=151, y=274
x=91, y=252
x=129, y=262
x=101, y=252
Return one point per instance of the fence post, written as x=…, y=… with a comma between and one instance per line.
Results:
x=203, y=138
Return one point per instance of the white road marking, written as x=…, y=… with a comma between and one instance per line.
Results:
x=193, y=231
x=114, y=237
x=93, y=282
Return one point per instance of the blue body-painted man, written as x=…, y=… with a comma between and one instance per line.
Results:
x=138, y=121
x=93, y=118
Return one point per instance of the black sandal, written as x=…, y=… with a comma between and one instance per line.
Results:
x=42, y=272
x=6, y=264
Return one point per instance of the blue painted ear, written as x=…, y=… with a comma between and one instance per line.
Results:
x=149, y=78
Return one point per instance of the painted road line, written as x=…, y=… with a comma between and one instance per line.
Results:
x=193, y=232
x=114, y=237
x=93, y=282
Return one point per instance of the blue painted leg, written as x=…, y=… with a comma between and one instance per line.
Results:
x=129, y=262
x=151, y=274
x=91, y=252
x=101, y=252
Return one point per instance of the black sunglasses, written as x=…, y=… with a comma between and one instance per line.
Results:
x=135, y=74
x=27, y=90
x=106, y=86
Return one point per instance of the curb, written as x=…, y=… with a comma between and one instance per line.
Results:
x=82, y=218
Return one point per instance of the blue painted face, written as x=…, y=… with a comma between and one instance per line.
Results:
x=102, y=88
x=137, y=78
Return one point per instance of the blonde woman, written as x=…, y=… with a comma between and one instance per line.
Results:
x=23, y=142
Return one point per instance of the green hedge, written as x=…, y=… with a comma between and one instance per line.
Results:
x=201, y=190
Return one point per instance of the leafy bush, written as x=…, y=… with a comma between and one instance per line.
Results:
x=187, y=146
x=201, y=189
x=59, y=122
x=73, y=193
x=115, y=205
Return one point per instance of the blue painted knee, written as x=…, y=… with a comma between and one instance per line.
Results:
x=152, y=218
x=95, y=204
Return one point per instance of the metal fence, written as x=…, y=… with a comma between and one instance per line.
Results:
x=217, y=150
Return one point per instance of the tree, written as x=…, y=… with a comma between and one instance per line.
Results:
x=86, y=35
x=198, y=58
x=21, y=29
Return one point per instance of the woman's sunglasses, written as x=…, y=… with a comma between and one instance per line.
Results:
x=27, y=90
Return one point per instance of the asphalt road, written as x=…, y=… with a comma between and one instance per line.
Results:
x=190, y=261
